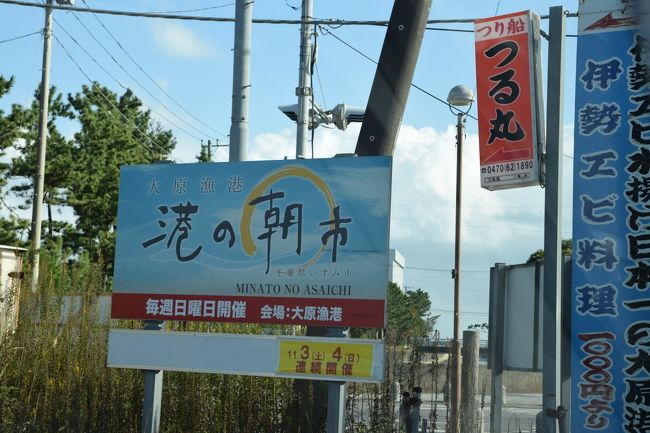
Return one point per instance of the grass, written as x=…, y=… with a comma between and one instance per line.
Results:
x=53, y=375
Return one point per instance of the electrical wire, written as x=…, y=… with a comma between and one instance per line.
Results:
x=417, y=268
x=295, y=8
x=329, y=32
x=178, y=104
x=119, y=83
x=340, y=22
x=9, y=208
x=311, y=84
x=469, y=313
x=205, y=134
x=320, y=85
x=195, y=10
x=21, y=37
x=129, y=121
x=440, y=29
x=496, y=11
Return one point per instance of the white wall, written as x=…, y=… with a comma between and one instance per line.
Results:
x=11, y=264
x=396, y=264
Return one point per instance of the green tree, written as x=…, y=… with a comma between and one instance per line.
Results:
x=408, y=315
x=58, y=158
x=7, y=129
x=11, y=226
x=13, y=231
x=538, y=256
x=115, y=130
x=204, y=156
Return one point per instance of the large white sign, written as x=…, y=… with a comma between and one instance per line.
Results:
x=336, y=359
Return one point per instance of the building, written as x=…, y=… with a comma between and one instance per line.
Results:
x=396, y=264
x=11, y=266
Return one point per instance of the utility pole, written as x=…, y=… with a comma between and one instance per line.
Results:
x=456, y=344
x=241, y=81
x=553, y=219
x=393, y=78
x=39, y=178
x=304, y=90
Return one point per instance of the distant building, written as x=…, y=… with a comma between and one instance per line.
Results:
x=396, y=264
x=11, y=266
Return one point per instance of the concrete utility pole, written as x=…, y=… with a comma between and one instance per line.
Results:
x=393, y=78
x=553, y=219
x=241, y=81
x=39, y=178
x=304, y=90
x=471, y=346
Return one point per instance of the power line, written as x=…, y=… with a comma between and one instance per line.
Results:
x=337, y=22
x=440, y=29
x=417, y=268
x=20, y=37
x=119, y=83
x=150, y=77
x=9, y=208
x=193, y=10
x=129, y=121
x=329, y=32
x=471, y=313
x=496, y=12
x=142, y=86
x=320, y=85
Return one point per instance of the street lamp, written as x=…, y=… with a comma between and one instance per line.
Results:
x=459, y=96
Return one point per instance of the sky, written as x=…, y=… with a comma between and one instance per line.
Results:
x=192, y=62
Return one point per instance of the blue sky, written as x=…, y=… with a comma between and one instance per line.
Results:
x=192, y=61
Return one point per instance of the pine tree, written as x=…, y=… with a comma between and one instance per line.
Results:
x=114, y=131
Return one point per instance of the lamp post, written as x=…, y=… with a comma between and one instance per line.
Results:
x=459, y=96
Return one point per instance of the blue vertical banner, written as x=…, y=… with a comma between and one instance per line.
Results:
x=610, y=364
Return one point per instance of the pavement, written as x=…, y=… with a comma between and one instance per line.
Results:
x=518, y=416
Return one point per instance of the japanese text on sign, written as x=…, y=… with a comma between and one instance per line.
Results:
x=296, y=242
x=508, y=100
x=611, y=271
x=326, y=358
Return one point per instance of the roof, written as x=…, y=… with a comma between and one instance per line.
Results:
x=7, y=247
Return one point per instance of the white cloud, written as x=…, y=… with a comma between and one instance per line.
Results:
x=424, y=178
x=424, y=188
x=273, y=146
x=498, y=226
x=179, y=41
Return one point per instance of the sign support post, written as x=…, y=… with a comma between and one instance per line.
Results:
x=496, y=339
x=553, y=218
x=153, y=382
x=336, y=394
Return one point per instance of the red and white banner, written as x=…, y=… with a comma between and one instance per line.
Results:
x=509, y=97
x=361, y=313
